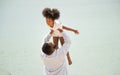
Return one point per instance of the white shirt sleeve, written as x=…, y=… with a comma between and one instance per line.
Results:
x=66, y=44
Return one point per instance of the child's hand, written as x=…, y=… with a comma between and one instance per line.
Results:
x=51, y=31
x=76, y=31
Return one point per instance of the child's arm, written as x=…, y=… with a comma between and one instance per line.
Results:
x=70, y=29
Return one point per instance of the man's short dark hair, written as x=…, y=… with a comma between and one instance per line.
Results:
x=46, y=48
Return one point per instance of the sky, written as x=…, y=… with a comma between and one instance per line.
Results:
x=95, y=51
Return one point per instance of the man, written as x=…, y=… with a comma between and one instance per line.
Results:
x=54, y=59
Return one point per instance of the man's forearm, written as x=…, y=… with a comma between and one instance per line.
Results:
x=66, y=39
x=47, y=38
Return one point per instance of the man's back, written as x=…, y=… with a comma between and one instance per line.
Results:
x=55, y=64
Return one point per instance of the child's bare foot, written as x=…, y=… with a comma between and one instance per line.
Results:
x=69, y=62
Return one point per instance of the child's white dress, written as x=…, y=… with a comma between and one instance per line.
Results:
x=57, y=25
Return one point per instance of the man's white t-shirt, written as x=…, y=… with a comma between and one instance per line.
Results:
x=55, y=64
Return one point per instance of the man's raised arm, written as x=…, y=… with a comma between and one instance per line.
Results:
x=67, y=42
x=47, y=38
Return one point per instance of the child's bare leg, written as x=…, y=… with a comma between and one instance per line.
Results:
x=69, y=58
x=68, y=55
x=55, y=40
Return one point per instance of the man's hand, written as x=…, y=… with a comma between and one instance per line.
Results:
x=51, y=31
x=60, y=30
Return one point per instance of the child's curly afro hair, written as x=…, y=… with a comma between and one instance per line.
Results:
x=51, y=13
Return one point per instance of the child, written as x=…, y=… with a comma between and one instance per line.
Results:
x=51, y=16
